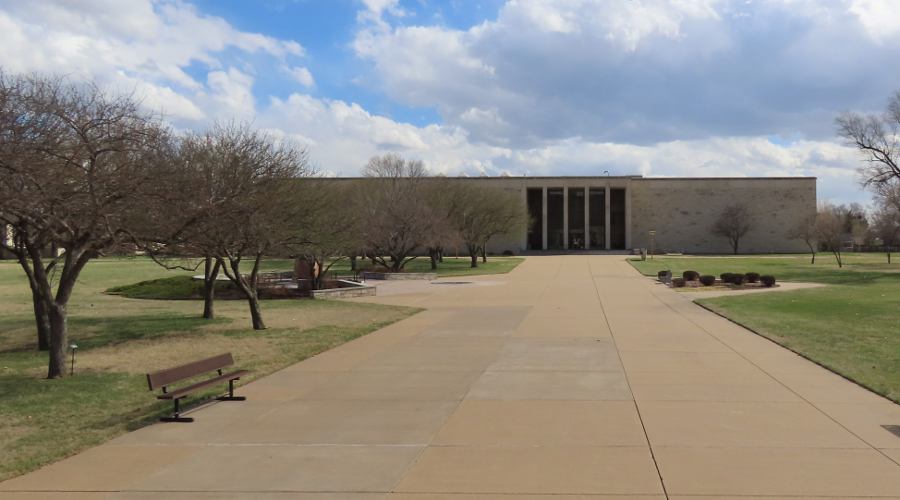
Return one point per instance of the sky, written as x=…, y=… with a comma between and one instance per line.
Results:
x=496, y=87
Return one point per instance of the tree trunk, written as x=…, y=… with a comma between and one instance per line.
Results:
x=433, y=255
x=210, y=273
x=58, y=331
x=247, y=286
x=889, y=255
x=255, y=311
x=484, y=253
x=813, y=261
x=318, y=272
x=735, y=246
x=209, y=298
x=837, y=256
x=41, y=319
x=353, y=263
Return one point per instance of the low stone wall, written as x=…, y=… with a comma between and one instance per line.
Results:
x=370, y=275
x=348, y=289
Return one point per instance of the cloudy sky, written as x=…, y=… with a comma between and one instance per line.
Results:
x=494, y=87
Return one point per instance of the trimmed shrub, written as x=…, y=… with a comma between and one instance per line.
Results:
x=664, y=276
x=678, y=283
x=737, y=279
x=690, y=275
x=726, y=277
x=768, y=281
x=508, y=253
x=752, y=277
x=708, y=280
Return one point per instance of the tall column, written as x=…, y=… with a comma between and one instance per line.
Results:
x=544, y=218
x=523, y=241
x=606, y=222
x=587, y=218
x=628, y=217
x=566, y=218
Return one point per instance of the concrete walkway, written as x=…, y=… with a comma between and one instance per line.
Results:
x=573, y=375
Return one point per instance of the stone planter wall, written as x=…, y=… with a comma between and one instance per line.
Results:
x=347, y=290
x=371, y=275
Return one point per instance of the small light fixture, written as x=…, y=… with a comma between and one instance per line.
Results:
x=74, y=348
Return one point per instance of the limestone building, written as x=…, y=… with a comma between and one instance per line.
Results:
x=619, y=213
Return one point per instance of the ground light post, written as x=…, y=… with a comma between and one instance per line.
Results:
x=652, y=242
x=74, y=348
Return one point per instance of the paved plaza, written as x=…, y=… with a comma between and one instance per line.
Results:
x=572, y=377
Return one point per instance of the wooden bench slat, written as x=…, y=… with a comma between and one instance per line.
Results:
x=184, y=391
x=170, y=375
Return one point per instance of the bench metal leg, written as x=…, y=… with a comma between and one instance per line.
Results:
x=231, y=396
x=176, y=415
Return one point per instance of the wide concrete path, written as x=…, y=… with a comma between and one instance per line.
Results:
x=572, y=377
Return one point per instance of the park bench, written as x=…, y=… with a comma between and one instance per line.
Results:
x=164, y=378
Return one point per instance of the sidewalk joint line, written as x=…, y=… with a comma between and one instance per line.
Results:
x=637, y=407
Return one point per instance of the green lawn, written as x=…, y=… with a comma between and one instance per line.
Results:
x=121, y=339
x=850, y=326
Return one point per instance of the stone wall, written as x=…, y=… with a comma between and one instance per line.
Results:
x=683, y=211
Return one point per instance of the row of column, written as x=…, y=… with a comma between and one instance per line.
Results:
x=587, y=218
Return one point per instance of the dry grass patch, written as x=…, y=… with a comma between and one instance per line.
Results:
x=145, y=356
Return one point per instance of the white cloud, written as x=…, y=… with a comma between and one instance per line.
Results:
x=549, y=88
x=137, y=45
x=301, y=75
x=881, y=18
x=231, y=95
x=342, y=137
x=644, y=71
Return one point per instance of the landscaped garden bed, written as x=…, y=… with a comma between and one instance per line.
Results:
x=274, y=286
x=726, y=281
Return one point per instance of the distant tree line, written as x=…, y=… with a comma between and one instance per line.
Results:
x=86, y=173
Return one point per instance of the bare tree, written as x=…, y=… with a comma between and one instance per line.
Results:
x=831, y=230
x=14, y=146
x=239, y=198
x=806, y=231
x=397, y=216
x=76, y=166
x=332, y=229
x=734, y=222
x=860, y=233
x=886, y=218
x=259, y=204
x=876, y=138
x=441, y=199
x=182, y=228
x=480, y=213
